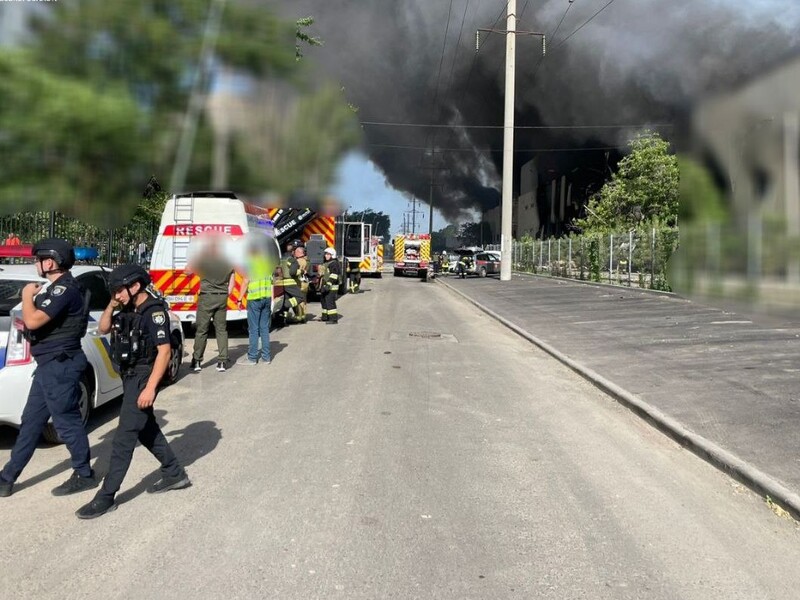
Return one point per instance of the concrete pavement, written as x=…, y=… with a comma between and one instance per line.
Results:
x=724, y=384
x=431, y=453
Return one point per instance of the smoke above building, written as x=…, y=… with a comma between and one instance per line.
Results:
x=637, y=63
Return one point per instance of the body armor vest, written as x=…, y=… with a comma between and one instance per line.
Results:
x=131, y=344
x=64, y=326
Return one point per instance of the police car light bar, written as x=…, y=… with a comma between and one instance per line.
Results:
x=20, y=251
x=26, y=251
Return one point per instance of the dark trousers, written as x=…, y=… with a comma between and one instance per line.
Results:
x=328, y=301
x=211, y=307
x=292, y=297
x=54, y=393
x=355, y=281
x=135, y=425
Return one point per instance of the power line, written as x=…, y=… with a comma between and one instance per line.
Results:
x=441, y=126
x=453, y=65
x=441, y=61
x=458, y=46
x=561, y=22
x=592, y=18
x=435, y=105
x=480, y=44
x=553, y=35
x=477, y=150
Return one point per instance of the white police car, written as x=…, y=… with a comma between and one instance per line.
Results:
x=100, y=383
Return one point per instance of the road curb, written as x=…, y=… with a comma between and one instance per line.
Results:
x=752, y=477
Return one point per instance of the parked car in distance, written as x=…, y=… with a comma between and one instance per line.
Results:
x=486, y=263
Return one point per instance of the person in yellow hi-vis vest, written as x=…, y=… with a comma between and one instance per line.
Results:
x=258, y=284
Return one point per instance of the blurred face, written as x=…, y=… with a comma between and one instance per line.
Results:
x=299, y=252
x=123, y=296
x=327, y=256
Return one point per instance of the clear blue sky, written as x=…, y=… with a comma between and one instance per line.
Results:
x=361, y=185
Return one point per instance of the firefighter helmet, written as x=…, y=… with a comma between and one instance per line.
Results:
x=330, y=251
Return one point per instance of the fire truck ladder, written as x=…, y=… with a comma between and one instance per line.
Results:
x=183, y=215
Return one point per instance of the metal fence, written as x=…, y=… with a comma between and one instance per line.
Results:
x=636, y=258
x=757, y=261
x=132, y=243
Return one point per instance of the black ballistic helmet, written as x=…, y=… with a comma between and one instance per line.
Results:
x=126, y=275
x=298, y=244
x=60, y=250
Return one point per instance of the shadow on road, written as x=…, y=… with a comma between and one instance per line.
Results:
x=194, y=442
x=238, y=352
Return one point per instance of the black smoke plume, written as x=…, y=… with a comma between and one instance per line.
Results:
x=638, y=62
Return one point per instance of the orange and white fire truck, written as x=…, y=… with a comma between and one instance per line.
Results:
x=412, y=254
x=187, y=216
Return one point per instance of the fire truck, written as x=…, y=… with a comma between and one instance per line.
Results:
x=372, y=262
x=412, y=254
x=361, y=250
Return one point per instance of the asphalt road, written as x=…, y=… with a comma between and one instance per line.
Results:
x=468, y=465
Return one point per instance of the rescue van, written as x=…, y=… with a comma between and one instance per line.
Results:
x=412, y=254
x=187, y=216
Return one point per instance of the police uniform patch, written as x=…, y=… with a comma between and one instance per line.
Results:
x=46, y=303
x=159, y=318
x=161, y=333
x=58, y=290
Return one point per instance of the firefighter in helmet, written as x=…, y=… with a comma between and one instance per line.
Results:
x=464, y=265
x=290, y=281
x=302, y=276
x=329, y=280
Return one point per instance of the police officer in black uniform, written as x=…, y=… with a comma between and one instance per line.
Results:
x=141, y=349
x=55, y=322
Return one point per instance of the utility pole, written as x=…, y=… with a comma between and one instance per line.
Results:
x=430, y=198
x=412, y=222
x=508, y=135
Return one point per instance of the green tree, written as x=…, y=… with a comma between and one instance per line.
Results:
x=63, y=143
x=93, y=107
x=439, y=238
x=380, y=221
x=644, y=189
x=474, y=234
x=700, y=198
x=153, y=46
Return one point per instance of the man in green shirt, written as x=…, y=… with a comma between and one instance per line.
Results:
x=216, y=284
